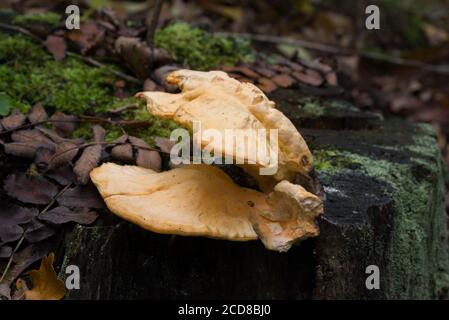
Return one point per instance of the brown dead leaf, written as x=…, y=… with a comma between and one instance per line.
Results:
x=56, y=46
x=99, y=133
x=90, y=158
x=35, y=190
x=10, y=232
x=5, y=251
x=266, y=85
x=160, y=75
x=64, y=153
x=37, y=231
x=63, y=175
x=61, y=215
x=123, y=153
x=13, y=121
x=5, y=292
x=283, y=80
x=20, y=149
x=15, y=214
x=149, y=159
x=32, y=135
x=63, y=123
x=164, y=144
x=37, y=114
x=150, y=85
x=309, y=77
x=81, y=196
x=88, y=36
x=245, y=71
x=26, y=257
x=46, y=285
x=43, y=158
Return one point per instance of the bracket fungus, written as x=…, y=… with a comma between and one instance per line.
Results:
x=221, y=103
x=200, y=199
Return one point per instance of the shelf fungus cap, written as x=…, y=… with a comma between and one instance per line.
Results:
x=201, y=200
x=220, y=102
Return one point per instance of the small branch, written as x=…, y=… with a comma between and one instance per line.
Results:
x=152, y=25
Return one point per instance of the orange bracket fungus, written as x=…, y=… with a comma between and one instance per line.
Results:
x=200, y=199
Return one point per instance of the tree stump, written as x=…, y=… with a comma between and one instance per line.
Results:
x=384, y=182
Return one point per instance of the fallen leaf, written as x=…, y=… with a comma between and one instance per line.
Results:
x=247, y=72
x=309, y=77
x=37, y=231
x=164, y=144
x=10, y=232
x=435, y=35
x=63, y=123
x=5, y=292
x=150, y=85
x=64, y=153
x=46, y=285
x=86, y=196
x=137, y=142
x=43, y=158
x=123, y=152
x=61, y=215
x=56, y=46
x=32, y=135
x=266, y=85
x=5, y=251
x=89, y=160
x=283, y=80
x=20, y=149
x=35, y=190
x=26, y=257
x=160, y=75
x=16, y=214
x=99, y=133
x=88, y=36
x=37, y=114
x=63, y=175
x=15, y=120
x=149, y=159
x=122, y=139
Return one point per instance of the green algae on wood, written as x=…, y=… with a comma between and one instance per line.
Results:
x=416, y=260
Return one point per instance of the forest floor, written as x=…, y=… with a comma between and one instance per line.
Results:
x=67, y=96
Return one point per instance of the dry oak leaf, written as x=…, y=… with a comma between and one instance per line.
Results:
x=201, y=200
x=37, y=114
x=57, y=47
x=46, y=285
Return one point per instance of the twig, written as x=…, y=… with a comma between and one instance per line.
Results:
x=442, y=69
x=96, y=63
x=89, y=119
x=88, y=60
x=22, y=238
x=152, y=25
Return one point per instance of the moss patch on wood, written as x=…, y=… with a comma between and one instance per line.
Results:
x=201, y=50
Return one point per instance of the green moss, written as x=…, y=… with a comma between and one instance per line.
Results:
x=29, y=75
x=312, y=108
x=48, y=19
x=414, y=248
x=200, y=50
x=332, y=161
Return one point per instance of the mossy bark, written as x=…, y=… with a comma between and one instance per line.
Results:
x=385, y=184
